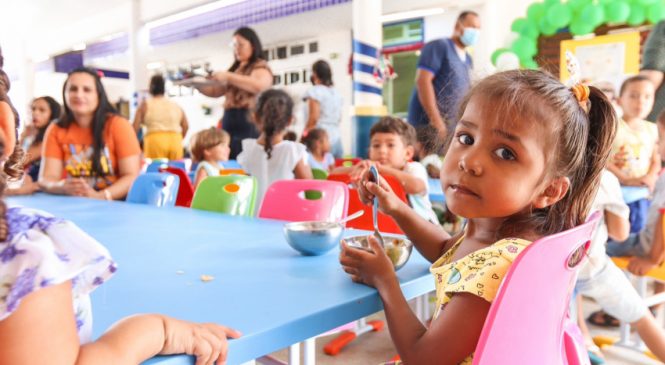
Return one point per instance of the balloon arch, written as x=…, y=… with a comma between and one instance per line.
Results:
x=579, y=17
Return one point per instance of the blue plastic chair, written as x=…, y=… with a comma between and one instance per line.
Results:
x=154, y=188
x=155, y=166
x=230, y=164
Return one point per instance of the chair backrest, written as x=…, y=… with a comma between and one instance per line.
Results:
x=288, y=200
x=319, y=174
x=224, y=172
x=527, y=323
x=154, y=166
x=347, y=161
x=154, y=188
x=386, y=223
x=231, y=194
x=185, y=190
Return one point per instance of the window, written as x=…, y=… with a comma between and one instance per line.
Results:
x=313, y=47
x=297, y=49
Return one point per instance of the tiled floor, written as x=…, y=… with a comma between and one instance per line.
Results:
x=376, y=347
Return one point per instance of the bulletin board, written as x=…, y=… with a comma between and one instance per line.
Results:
x=603, y=58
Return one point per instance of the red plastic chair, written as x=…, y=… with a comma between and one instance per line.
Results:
x=386, y=223
x=527, y=322
x=185, y=190
x=287, y=200
x=347, y=161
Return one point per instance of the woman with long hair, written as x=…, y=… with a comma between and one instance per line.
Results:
x=94, y=146
x=248, y=76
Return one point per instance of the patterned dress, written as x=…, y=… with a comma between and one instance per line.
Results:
x=42, y=250
x=479, y=273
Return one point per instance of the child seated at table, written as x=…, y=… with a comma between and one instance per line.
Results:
x=391, y=148
x=428, y=150
x=209, y=146
x=318, y=149
x=270, y=158
x=634, y=159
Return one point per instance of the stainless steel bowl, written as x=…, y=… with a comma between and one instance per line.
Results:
x=313, y=238
x=397, y=247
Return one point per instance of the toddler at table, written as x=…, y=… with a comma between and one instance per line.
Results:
x=209, y=146
x=391, y=149
x=634, y=158
x=318, y=149
x=524, y=163
x=270, y=158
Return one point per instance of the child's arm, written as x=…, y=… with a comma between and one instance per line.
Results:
x=430, y=239
x=618, y=228
x=302, y=170
x=623, y=178
x=450, y=338
x=49, y=311
x=200, y=175
x=641, y=265
x=411, y=183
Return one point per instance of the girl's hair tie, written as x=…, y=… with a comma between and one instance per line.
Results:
x=581, y=93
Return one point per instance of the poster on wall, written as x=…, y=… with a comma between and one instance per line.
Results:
x=603, y=58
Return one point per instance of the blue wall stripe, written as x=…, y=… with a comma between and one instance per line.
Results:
x=363, y=67
x=364, y=49
x=357, y=86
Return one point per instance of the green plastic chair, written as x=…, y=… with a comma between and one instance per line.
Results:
x=230, y=194
x=319, y=174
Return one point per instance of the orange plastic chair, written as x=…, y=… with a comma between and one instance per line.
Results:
x=289, y=200
x=185, y=189
x=386, y=223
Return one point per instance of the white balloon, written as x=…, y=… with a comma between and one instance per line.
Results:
x=507, y=61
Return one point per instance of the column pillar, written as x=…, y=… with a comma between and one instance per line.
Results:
x=367, y=90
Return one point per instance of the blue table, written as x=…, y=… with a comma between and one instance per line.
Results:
x=435, y=191
x=262, y=287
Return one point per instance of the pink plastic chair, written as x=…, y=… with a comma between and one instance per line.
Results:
x=286, y=200
x=527, y=322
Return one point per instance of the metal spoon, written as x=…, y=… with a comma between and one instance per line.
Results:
x=351, y=217
x=375, y=208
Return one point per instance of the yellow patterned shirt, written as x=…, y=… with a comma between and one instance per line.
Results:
x=479, y=273
x=633, y=147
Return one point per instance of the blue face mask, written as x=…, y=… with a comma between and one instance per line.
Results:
x=469, y=36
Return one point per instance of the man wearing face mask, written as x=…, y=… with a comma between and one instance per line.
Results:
x=443, y=76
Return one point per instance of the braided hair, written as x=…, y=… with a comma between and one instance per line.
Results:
x=273, y=111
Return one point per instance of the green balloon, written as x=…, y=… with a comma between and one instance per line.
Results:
x=592, y=14
x=551, y=2
x=576, y=5
x=535, y=11
x=530, y=64
x=524, y=48
x=558, y=15
x=497, y=53
x=579, y=27
x=546, y=28
x=637, y=16
x=646, y=2
x=656, y=12
x=617, y=11
x=518, y=24
x=530, y=30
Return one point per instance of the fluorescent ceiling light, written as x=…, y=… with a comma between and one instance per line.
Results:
x=192, y=12
x=78, y=47
x=111, y=37
x=411, y=14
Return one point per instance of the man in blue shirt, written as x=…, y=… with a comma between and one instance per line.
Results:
x=443, y=76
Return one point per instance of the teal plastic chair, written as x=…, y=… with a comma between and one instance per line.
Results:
x=154, y=188
x=230, y=194
x=319, y=174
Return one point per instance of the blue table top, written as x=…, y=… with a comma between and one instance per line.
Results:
x=435, y=191
x=261, y=286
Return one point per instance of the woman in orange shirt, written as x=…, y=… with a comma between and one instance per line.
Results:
x=8, y=115
x=93, y=147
